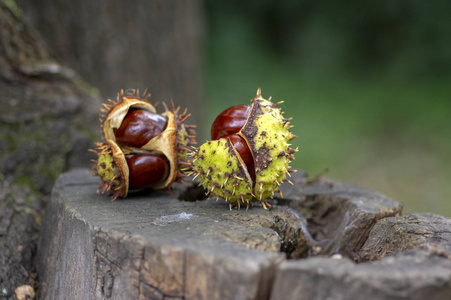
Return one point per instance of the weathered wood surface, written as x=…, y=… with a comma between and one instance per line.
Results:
x=19, y=219
x=420, y=274
x=339, y=215
x=154, y=245
x=398, y=234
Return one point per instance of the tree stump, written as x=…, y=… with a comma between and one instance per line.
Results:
x=156, y=245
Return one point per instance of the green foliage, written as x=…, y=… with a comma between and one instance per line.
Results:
x=366, y=82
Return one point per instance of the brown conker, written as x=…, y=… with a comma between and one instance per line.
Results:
x=146, y=170
x=244, y=151
x=230, y=121
x=139, y=127
x=227, y=124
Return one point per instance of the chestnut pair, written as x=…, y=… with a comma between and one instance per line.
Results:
x=143, y=149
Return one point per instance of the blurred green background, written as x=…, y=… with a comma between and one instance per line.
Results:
x=367, y=83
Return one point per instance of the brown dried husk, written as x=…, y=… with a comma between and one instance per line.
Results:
x=173, y=142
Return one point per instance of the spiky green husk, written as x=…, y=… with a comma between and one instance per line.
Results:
x=222, y=173
x=267, y=134
x=186, y=139
x=108, y=168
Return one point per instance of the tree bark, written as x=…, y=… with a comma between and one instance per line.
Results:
x=122, y=45
x=48, y=116
x=47, y=122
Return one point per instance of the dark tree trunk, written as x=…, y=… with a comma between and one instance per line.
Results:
x=122, y=45
x=48, y=117
x=47, y=122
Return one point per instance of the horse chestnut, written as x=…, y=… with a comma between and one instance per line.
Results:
x=230, y=121
x=146, y=170
x=139, y=127
x=143, y=170
x=244, y=152
x=249, y=156
x=227, y=124
x=143, y=149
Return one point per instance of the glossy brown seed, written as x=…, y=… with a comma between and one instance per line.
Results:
x=243, y=150
x=138, y=127
x=145, y=171
x=230, y=121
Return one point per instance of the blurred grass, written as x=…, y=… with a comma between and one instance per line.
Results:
x=381, y=130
